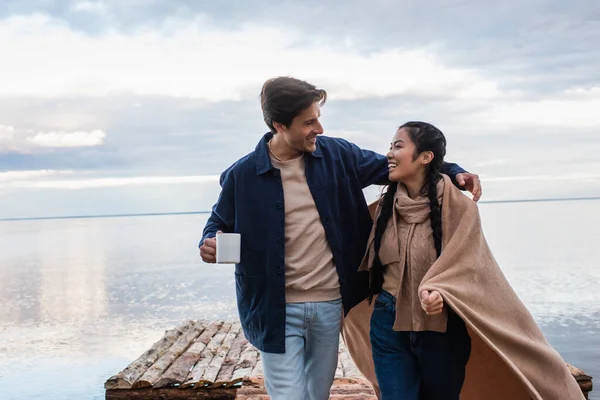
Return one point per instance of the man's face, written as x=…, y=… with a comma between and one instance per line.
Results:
x=302, y=132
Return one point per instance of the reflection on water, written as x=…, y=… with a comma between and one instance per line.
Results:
x=81, y=298
x=78, y=292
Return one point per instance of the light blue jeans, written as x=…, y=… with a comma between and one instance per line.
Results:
x=307, y=368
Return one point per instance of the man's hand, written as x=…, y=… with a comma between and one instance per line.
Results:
x=208, y=250
x=432, y=302
x=471, y=183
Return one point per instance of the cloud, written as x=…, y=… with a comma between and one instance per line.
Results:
x=30, y=180
x=65, y=193
x=19, y=176
x=68, y=139
x=573, y=108
x=89, y=6
x=144, y=136
x=196, y=58
x=7, y=137
x=26, y=140
x=548, y=177
x=493, y=162
x=526, y=45
x=6, y=132
x=174, y=87
x=348, y=134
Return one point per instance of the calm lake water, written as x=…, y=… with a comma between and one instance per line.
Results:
x=82, y=298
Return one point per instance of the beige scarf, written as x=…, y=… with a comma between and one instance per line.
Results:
x=408, y=251
x=510, y=357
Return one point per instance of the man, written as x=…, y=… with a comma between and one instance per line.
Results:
x=297, y=202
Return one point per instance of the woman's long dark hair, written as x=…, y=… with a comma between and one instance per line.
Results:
x=426, y=137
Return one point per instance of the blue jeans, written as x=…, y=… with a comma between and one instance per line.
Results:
x=418, y=365
x=307, y=368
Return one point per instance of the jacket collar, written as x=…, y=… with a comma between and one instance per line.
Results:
x=263, y=160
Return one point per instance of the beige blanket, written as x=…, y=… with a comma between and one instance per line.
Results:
x=510, y=357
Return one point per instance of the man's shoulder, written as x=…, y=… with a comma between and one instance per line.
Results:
x=336, y=147
x=247, y=161
x=244, y=164
x=334, y=142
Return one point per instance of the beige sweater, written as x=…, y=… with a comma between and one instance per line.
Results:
x=408, y=251
x=310, y=273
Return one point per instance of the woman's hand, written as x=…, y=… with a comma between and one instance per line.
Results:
x=432, y=302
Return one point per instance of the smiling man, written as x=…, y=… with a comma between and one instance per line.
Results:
x=298, y=204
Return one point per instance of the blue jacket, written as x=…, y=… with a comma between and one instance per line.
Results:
x=251, y=203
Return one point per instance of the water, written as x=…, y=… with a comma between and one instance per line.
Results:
x=82, y=298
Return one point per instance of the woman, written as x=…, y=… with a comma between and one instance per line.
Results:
x=445, y=323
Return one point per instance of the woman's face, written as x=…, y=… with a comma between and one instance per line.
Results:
x=402, y=163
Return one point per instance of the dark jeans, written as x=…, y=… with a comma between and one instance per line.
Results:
x=418, y=365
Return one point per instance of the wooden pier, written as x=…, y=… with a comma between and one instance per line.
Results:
x=213, y=360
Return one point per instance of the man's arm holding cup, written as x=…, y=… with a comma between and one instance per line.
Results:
x=221, y=219
x=208, y=250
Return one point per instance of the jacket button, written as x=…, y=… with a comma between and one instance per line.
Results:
x=275, y=172
x=279, y=206
x=279, y=240
x=280, y=305
x=279, y=271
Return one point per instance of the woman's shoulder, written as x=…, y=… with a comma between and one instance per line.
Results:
x=457, y=199
x=374, y=208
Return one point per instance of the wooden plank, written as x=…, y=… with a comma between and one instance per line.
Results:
x=212, y=369
x=586, y=386
x=583, y=379
x=247, y=362
x=252, y=389
x=172, y=394
x=230, y=361
x=126, y=378
x=198, y=347
x=153, y=374
x=191, y=356
x=222, y=355
x=205, y=358
x=578, y=374
x=178, y=371
x=257, y=371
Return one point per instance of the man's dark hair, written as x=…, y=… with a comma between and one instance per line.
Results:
x=283, y=98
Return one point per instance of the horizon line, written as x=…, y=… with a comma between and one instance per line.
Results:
x=105, y=216
x=208, y=212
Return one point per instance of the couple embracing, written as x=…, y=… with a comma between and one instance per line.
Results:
x=410, y=282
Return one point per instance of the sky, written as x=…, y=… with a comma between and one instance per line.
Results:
x=114, y=107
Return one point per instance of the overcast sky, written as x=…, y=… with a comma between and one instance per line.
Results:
x=111, y=107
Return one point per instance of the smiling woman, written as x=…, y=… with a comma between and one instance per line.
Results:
x=440, y=297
